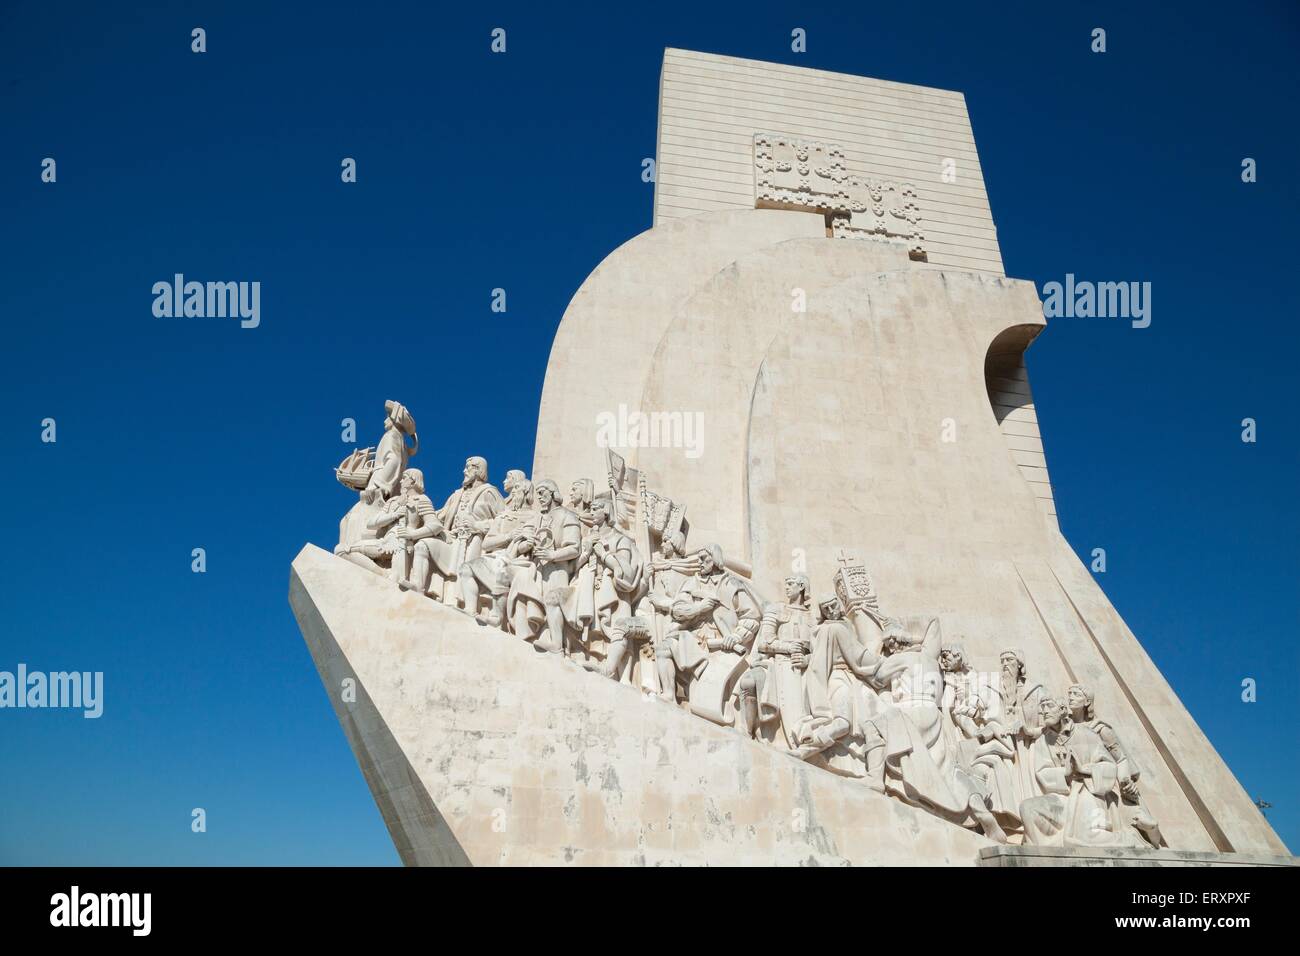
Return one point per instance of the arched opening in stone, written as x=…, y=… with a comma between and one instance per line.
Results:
x=1005, y=377
x=1012, y=402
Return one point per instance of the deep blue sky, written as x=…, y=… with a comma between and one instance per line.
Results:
x=522, y=171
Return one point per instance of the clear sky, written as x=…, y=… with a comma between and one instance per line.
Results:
x=522, y=171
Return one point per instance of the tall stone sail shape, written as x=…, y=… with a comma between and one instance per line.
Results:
x=823, y=288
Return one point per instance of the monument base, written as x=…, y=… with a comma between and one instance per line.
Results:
x=1020, y=856
x=479, y=750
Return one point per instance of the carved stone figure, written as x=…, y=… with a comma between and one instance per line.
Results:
x=1079, y=700
x=982, y=749
x=391, y=454
x=666, y=574
x=841, y=690
x=493, y=571
x=375, y=473
x=1014, y=714
x=404, y=520
x=609, y=582
x=771, y=692
x=554, y=552
x=458, y=539
x=378, y=546
x=1079, y=777
x=717, y=616
x=920, y=765
x=670, y=569
x=581, y=494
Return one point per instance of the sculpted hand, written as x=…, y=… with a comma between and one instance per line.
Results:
x=729, y=643
x=543, y=554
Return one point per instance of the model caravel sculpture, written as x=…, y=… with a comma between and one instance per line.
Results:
x=609, y=580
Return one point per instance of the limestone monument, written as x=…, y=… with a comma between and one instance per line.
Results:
x=785, y=585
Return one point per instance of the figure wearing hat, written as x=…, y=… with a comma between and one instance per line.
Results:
x=391, y=454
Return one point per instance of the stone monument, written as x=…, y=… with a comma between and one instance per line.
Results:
x=785, y=585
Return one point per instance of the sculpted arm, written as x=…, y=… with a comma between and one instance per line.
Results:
x=388, y=466
x=495, y=542
x=383, y=519
x=623, y=562
x=746, y=606
x=862, y=662
x=488, y=505
x=1031, y=716
x=772, y=617
x=570, y=543
x=932, y=643
x=1051, y=778
x=659, y=597
x=430, y=526
x=1127, y=769
x=686, y=610
x=865, y=628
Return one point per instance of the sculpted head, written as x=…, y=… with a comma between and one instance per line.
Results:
x=580, y=494
x=602, y=512
x=1053, y=712
x=711, y=559
x=673, y=544
x=1013, y=664
x=797, y=587
x=548, y=493
x=952, y=658
x=475, y=471
x=397, y=416
x=518, y=489
x=831, y=608
x=1079, y=699
x=413, y=481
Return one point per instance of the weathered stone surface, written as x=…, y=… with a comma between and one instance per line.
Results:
x=891, y=415
x=479, y=750
x=1021, y=856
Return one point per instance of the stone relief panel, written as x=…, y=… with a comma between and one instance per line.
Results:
x=791, y=173
x=607, y=579
x=811, y=176
x=881, y=209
